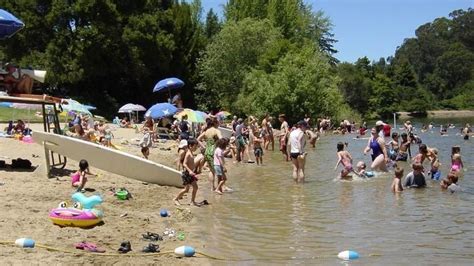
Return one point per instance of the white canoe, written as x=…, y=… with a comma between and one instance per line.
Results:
x=110, y=160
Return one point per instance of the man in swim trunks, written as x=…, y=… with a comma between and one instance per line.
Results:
x=297, y=142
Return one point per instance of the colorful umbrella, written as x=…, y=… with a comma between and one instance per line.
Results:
x=223, y=114
x=160, y=110
x=9, y=24
x=169, y=83
x=75, y=106
x=193, y=116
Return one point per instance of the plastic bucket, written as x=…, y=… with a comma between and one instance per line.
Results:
x=122, y=195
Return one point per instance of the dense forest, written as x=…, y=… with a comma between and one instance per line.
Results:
x=261, y=56
x=433, y=70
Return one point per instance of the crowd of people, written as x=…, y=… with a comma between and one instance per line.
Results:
x=204, y=147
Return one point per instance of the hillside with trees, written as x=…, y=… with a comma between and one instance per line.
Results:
x=433, y=70
x=261, y=56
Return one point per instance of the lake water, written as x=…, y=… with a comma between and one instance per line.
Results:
x=268, y=219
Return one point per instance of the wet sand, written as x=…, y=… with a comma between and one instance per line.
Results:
x=28, y=196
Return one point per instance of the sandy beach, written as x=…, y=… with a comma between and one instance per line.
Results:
x=28, y=196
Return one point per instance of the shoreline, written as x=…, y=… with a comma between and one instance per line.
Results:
x=440, y=114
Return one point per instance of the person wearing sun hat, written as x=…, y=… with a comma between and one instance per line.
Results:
x=383, y=129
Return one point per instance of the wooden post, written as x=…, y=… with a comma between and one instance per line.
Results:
x=47, y=159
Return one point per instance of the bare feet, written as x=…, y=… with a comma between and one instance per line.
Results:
x=218, y=192
x=195, y=204
x=176, y=202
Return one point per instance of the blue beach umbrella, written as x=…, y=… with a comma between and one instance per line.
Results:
x=161, y=110
x=9, y=24
x=169, y=83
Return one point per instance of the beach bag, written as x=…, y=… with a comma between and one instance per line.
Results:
x=21, y=164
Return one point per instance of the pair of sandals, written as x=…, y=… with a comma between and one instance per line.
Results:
x=152, y=236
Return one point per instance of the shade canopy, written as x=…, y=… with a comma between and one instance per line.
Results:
x=161, y=110
x=169, y=83
x=9, y=24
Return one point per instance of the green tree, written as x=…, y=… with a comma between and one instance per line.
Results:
x=383, y=101
x=234, y=51
x=212, y=26
x=301, y=84
x=108, y=52
x=355, y=86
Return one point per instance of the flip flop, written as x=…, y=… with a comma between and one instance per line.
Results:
x=151, y=248
x=152, y=236
x=87, y=246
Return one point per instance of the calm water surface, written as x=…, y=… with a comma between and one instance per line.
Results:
x=271, y=220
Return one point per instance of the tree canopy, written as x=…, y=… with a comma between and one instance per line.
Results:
x=273, y=56
x=433, y=70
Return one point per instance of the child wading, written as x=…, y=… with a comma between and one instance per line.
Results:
x=344, y=158
x=257, y=148
x=397, y=180
x=219, y=164
x=189, y=176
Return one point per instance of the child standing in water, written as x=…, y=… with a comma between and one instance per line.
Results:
x=79, y=178
x=456, y=160
x=219, y=165
x=345, y=158
x=188, y=175
x=434, y=171
x=258, y=150
x=394, y=146
x=397, y=180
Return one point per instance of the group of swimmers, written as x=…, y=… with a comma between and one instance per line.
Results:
x=388, y=154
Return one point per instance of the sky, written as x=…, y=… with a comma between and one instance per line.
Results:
x=373, y=28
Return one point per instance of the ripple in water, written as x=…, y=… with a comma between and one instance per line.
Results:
x=269, y=218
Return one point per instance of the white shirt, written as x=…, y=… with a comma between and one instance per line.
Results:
x=295, y=146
